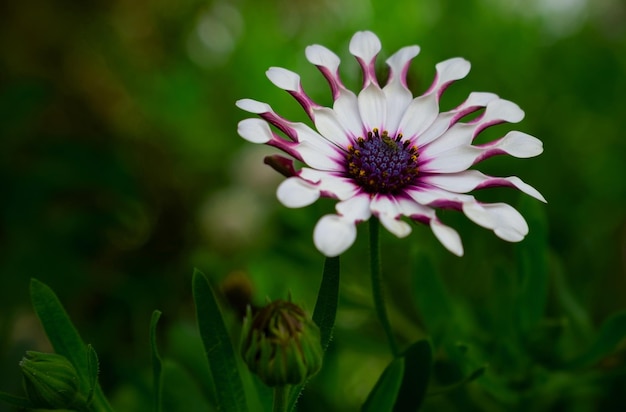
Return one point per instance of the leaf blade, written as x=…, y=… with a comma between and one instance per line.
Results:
x=218, y=347
x=383, y=395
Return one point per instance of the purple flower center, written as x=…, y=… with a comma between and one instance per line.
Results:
x=380, y=164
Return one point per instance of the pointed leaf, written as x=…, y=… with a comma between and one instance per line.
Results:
x=60, y=331
x=383, y=395
x=218, y=347
x=65, y=339
x=418, y=359
x=156, y=362
x=324, y=313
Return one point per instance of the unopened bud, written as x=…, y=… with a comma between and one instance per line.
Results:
x=281, y=345
x=50, y=380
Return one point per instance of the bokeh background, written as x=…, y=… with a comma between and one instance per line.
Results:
x=121, y=169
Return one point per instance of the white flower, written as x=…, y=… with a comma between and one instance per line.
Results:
x=386, y=153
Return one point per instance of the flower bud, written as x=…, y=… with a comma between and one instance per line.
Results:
x=50, y=380
x=281, y=345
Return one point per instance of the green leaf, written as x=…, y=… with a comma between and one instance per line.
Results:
x=156, y=361
x=60, y=331
x=611, y=333
x=418, y=360
x=15, y=400
x=93, y=370
x=383, y=395
x=431, y=298
x=532, y=261
x=324, y=313
x=218, y=347
x=65, y=339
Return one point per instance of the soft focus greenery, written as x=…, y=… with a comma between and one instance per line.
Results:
x=121, y=171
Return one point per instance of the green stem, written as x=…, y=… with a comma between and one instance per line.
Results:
x=281, y=398
x=377, y=287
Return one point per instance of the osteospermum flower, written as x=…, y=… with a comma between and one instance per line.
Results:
x=386, y=153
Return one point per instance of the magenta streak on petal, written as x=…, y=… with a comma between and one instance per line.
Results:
x=369, y=71
x=281, y=124
x=487, y=153
x=305, y=101
x=482, y=126
x=446, y=204
x=440, y=88
x=495, y=182
x=284, y=145
x=333, y=80
x=464, y=112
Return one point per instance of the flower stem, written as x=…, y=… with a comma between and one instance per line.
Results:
x=281, y=398
x=377, y=287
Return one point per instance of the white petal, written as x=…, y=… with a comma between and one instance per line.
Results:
x=355, y=209
x=373, y=107
x=435, y=196
x=321, y=56
x=454, y=160
x=520, y=145
x=451, y=70
x=330, y=184
x=399, y=62
x=398, y=95
x=283, y=78
x=365, y=45
x=436, y=129
x=458, y=135
x=254, y=130
x=447, y=236
x=333, y=235
x=318, y=157
x=295, y=192
x=327, y=123
x=506, y=222
x=412, y=209
x=469, y=180
x=347, y=109
x=501, y=110
x=419, y=115
x=389, y=214
x=479, y=99
x=253, y=106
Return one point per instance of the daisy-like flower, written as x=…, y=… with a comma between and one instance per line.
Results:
x=388, y=154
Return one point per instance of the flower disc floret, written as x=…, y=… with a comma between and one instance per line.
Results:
x=380, y=164
x=383, y=152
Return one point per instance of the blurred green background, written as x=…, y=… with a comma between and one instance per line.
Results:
x=121, y=169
